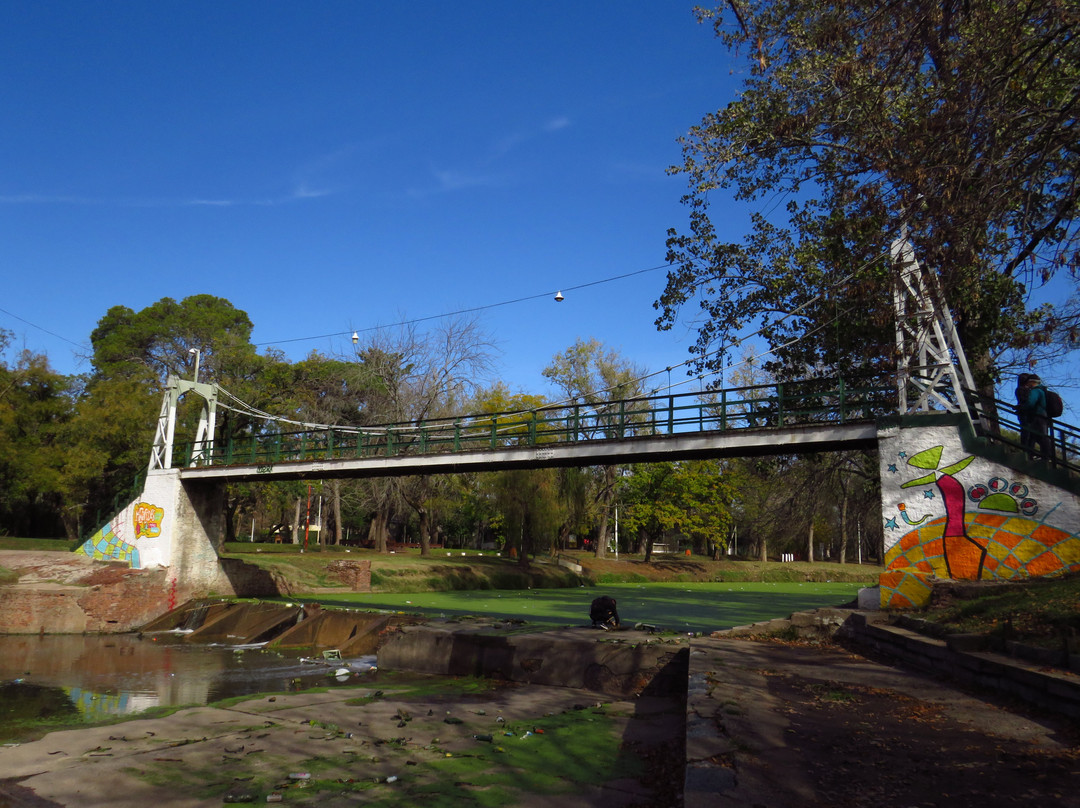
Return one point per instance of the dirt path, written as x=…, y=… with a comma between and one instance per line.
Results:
x=809, y=728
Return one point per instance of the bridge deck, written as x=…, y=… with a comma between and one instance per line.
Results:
x=745, y=442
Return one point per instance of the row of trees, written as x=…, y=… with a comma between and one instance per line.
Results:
x=68, y=445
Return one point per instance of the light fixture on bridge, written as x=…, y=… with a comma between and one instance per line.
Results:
x=355, y=338
x=559, y=297
x=198, y=355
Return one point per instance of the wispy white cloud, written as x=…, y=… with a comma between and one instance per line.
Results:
x=47, y=199
x=313, y=179
x=298, y=194
x=213, y=203
x=450, y=180
x=458, y=180
x=320, y=176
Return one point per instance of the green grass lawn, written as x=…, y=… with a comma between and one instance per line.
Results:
x=681, y=607
x=14, y=543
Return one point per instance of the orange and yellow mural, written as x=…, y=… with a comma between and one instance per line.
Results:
x=990, y=527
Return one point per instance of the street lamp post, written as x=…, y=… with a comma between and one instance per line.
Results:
x=198, y=355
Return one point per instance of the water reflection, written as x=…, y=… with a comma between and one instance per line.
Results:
x=124, y=673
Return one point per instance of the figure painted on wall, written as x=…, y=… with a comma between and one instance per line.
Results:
x=995, y=529
x=965, y=557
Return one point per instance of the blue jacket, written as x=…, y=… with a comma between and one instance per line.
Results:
x=1036, y=401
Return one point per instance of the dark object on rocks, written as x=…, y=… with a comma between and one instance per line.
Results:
x=603, y=613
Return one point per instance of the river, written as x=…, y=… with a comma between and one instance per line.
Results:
x=118, y=674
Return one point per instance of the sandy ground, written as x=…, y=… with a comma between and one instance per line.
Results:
x=209, y=755
x=40, y=568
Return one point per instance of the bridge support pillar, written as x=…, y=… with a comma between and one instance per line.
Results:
x=200, y=531
x=170, y=524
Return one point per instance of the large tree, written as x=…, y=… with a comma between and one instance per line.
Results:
x=691, y=498
x=164, y=336
x=955, y=120
x=35, y=408
x=596, y=377
x=418, y=376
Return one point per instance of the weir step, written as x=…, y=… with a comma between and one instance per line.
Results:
x=279, y=625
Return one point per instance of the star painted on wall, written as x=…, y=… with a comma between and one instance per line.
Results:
x=928, y=494
x=891, y=524
x=892, y=468
x=902, y=454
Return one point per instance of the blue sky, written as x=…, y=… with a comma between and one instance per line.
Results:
x=338, y=166
x=330, y=166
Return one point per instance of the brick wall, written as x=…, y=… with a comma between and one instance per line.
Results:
x=354, y=574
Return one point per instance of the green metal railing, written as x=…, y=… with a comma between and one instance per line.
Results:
x=119, y=500
x=822, y=401
x=998, y=422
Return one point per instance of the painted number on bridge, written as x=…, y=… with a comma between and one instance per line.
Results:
x=264, y=469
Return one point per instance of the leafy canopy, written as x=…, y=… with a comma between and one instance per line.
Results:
x=957, y=119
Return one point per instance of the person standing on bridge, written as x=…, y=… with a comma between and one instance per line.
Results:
x=1038, y=422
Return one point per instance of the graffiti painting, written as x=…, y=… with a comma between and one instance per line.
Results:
x=110, y=542
x=991, y=527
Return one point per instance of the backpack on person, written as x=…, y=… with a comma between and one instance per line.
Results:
x=1054, y=405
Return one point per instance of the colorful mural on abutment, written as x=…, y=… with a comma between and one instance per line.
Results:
x=140, y=535
x=951, y=514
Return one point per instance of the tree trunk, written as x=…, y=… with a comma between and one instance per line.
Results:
x=335, y=490
x=296, y=522
x=425, y=531
x=232, y=505
x=377, y=530
x=526, y=546
x=601, y=536
x=563, y=541
x=810, y=541
x=70, y=517
x=607, y=498
x=764, y=550
x=843, y=529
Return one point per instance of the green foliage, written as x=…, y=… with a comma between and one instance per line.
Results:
x=690, y=498
x=956, y=120
x=106, y=445
x=594, y=374
x=160, y=339
x=528, y=502
x=35, y=406
x=592, y=377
